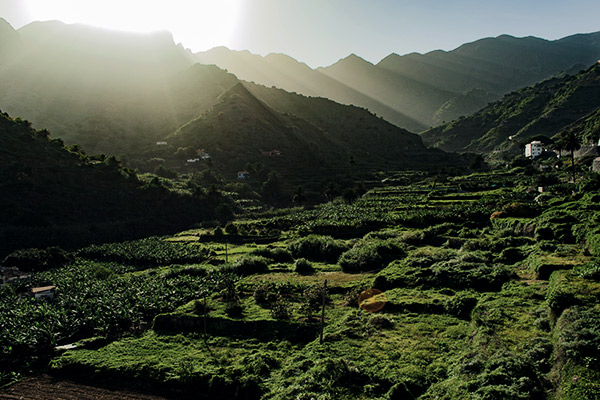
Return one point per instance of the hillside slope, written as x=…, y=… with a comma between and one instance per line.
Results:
x=545, y=109
x=312, y=137
x=52, y=195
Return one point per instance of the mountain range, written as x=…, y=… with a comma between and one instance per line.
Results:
x=417, y=91
x=549, y=108
x=121, y=93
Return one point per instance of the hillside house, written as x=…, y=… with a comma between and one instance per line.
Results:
x=272, y=153
x=534, y=149
x=242, y=175
x=161, y=143
x=44, y=292
x=202, y=154
x=12, y=275
x=596, y=165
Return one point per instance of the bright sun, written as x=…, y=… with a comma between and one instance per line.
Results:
x=198, y=24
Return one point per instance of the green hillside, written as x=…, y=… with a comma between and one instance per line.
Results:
x=53, y=195
x=547, y=108
x=312, y=136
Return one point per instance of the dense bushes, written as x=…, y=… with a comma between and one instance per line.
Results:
x=152, y=251
x=85, y=306
x=277, y=254
x=370, y=255
x=503, y=375
x=318, y=248
x=303, y=267
x=31, y=260
x=577, y=353
x=248, y=265
x=450, y=269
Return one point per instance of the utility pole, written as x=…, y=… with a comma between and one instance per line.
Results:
x=323, y=310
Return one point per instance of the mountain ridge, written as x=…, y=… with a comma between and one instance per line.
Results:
x=547, y=108
x=410, y=90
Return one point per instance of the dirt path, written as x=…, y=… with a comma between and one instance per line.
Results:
x=45, y=387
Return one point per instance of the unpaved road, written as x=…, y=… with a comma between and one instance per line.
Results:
x=45, y=387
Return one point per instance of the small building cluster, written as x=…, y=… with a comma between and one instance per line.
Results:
x=12, y=275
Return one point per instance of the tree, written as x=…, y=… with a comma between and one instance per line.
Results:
x=299, y=196
x=477, y=163
x=331, y=192
x=570, y=142
x=272, y=188
x=349, y=196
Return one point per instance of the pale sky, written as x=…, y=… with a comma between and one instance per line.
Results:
x=320, y=32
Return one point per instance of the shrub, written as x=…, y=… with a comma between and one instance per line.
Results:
x=31, y=260
x=318, y=248
x=262, y=294
x=461, y=305
x=590, y=270
x=277, y=254
x=250, y=264
x=579, y=336
x=303, y=267
x=370, y=256
x=281, y=308
x=312, y=298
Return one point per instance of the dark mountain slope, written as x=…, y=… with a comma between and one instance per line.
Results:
x=51, y=195
x=544, y=109
x=498, y=64
x=415, y=98
x=313, y=136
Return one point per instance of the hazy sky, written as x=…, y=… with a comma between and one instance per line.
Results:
x=320, y=32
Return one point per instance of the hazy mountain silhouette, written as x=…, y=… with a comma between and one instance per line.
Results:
x=120, y=93
x=547, y=108
x=102, y=88
x=286, y=73
x=416, y=90
x=10, y=42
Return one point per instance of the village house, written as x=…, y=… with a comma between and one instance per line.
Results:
x=596, y=165
x=45, y=292
x=534, y=149
x=242, y=175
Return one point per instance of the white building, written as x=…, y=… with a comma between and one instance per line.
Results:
x=534, y=149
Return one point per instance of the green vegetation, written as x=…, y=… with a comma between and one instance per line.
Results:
x=54, y=195
x=557, y=108
x=487, y=293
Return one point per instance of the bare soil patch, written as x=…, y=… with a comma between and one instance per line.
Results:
x=45, y=387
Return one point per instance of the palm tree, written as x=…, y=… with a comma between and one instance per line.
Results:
x=570, y=142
